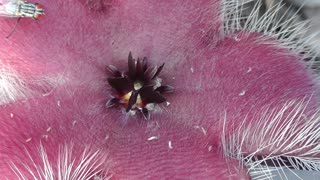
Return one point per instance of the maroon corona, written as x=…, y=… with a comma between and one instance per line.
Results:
x=138, y=89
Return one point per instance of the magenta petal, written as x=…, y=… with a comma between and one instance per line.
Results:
x=218, y=81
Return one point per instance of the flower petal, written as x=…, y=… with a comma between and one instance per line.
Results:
x=112, y=102
x=163, y=89
x=158, y=71
x=150, y=72
x=114, y=70
x=132, y=100
x=139, y=69
x=120, y=83
x=144, y=64
x=150, y=96
x=132, y=67
x=145, y=113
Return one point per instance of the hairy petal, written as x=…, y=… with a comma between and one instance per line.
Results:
x=223, y=83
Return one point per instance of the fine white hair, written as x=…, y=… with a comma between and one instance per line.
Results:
x=288, y=31
x=287, y=131
x=67, y=166
x=288, y=135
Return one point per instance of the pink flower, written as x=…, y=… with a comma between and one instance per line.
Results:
x=239, y=95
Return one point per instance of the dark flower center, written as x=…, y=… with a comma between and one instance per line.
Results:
x=139, y=88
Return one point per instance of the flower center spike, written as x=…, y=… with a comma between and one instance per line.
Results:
x=139, y=89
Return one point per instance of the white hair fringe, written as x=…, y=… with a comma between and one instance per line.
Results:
x=288, y=131
x=285, y=132
x=90, y=165
x=15, y=87
x=289, y=32
x=12, y=86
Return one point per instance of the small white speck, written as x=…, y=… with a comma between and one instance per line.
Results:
x=202, y=129
x=74, y=123
x=210, y=148
x=45, y=137
x=167, y=103
x=28, y=140
x=249, y=69
x=107, y=137
x=11, y=115
x=49, y=129
x=173, y=77
x=170, y=144
x=158, y=82
x=192, y=70
x=242, y=93
x=152, y=138
x=59, y=103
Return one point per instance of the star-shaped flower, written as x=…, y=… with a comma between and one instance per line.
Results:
x=138, y=87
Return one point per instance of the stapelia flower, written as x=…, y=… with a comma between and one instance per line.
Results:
x=139, y=88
